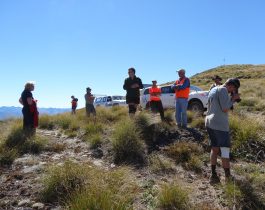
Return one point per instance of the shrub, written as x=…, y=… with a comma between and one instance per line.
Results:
x=63, y=120
x=93, y=128
x=169, y=115
x=16, y=137
x=172, y=196
x=233, y=195
x=142, y=121
x=94, y=141
x=7, y=156
x=127, y=145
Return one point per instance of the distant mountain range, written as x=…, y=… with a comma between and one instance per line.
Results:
x=12, y=111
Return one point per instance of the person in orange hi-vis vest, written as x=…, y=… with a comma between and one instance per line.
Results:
x=155, y=101
x=182, y=90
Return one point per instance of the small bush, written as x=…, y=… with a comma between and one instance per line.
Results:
x=63, y=120
x=233, y=195
x=194, y=164
x=142, y=121
x=93, y=128
x=16, y=137
x=34, y=145
x=169, y=115
x=127, y=145
x=172, y=196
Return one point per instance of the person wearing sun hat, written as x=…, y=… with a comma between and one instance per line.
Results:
x=220, y=101
x=217, y=81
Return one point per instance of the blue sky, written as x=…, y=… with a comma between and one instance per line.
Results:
x=67, y=45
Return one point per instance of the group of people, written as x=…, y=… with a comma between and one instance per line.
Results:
x=220, y=100
x=89, y=98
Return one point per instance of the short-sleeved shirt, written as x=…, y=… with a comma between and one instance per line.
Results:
x=24, y=95
x=218, y=100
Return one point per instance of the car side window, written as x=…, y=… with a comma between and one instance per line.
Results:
x=104, y=99
x=167, y=89
x=146, y=91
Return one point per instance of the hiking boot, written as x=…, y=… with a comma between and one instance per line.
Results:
x=214, y=179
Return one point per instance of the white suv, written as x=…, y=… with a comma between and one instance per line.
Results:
x=109, y=101
x=197, y=98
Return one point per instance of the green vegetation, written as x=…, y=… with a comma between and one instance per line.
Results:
x=127, y=144
x=159, y=164
x=85, y=187
x=172, y=196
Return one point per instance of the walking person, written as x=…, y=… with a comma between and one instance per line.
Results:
x=29, y=110
x=132, y=85
x=182, y=90
x=155, y=100
x=74, y=104
x=219, y=103
x=217, y=82
x=89, y=98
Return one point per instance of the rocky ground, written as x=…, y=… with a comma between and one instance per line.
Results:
x=20, y=184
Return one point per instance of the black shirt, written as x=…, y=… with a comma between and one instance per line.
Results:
x=24, y=95
x=132, y=92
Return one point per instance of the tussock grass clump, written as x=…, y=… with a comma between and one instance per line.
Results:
x=245, y=131
x=7, y=156
x=159, y=164
x=127, y=145
x=198, y=122
x=85, y=187
x=63, y=120
x=46, y=122
x=233, y=195
x=93, y=128
x=172, y=196
x=169, y=115
x=113, y=114
x=94, y=141
x=109, y=190
x=142, y=121
x=62, y=181
x=183, y=151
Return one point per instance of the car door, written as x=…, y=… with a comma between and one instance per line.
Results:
x=167, y=97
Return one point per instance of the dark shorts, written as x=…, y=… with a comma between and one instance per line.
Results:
x=90, y=109
x=134, y=100
x=218, y=138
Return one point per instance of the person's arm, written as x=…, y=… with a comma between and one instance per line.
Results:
x=140, y=84
x=125, y=85
x=29, y=100
x=184, y=85
x=225, y=100
x=20, y=101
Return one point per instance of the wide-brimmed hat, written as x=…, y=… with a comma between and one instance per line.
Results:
x=216, y=77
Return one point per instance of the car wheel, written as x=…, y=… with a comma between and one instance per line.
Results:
x=196, y=106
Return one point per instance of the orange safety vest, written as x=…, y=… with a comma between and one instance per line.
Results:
x=182, y=93
x=154, y=90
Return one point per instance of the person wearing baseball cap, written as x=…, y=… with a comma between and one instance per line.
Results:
x=217, y=81
x=182, y=90
x=219, y=103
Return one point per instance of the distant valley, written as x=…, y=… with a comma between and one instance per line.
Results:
x=13, y=112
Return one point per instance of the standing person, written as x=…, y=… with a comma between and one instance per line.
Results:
x=132, y=85
x=182, y=90
x=217, y=125
x=90, y=109
x=217, y=81
x=74, y=104
x=29, y=110
x=155, y=101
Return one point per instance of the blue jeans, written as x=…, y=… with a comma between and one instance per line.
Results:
x=181, y=111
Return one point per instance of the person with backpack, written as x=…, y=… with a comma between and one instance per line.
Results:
x=74, y=104
x=217, y=125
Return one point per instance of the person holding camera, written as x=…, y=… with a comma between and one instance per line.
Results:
x=219, y=103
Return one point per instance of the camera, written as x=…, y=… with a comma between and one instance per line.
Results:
x=236, y=93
